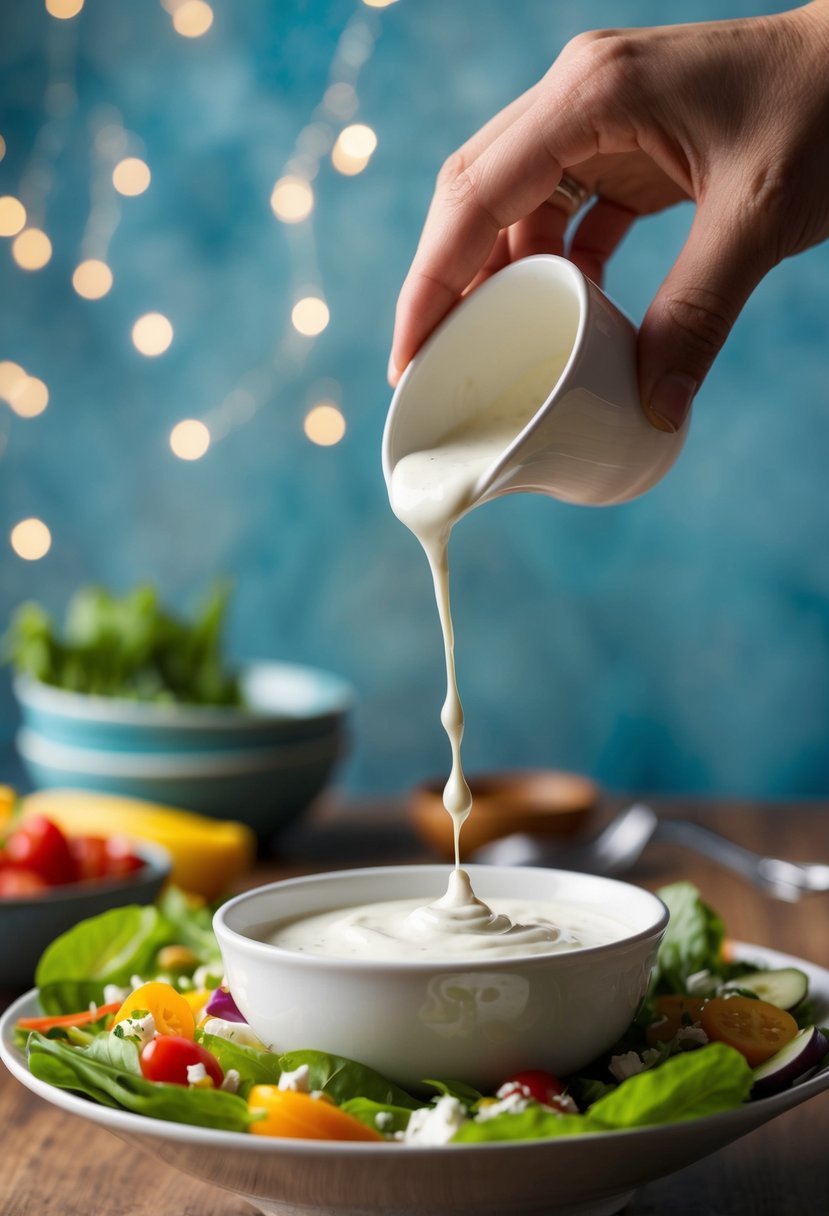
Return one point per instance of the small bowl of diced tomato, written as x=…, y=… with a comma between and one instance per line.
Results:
x=49, y=881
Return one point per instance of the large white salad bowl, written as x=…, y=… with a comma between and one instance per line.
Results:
x=590, y=1175
x=476, y=1019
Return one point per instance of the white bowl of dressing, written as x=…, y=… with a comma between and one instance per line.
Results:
x=412, y=1006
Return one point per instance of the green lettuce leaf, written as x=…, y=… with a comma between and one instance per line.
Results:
x=687, y=1086
x=534, y=1123
x=109, y=948
x=367, y=1111
x=343, y=1079
x=105, y=1080
x=692, y=942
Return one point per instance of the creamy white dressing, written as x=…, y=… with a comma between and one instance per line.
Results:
x=458, y=925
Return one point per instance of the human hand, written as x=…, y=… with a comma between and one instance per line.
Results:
x=731, y=114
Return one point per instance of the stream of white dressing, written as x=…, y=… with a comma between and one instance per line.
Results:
x=430, y=491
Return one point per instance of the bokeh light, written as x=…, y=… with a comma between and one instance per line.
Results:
x=31, y=539
x=310, y=316
x=131, y=176
x=2, y=147
x=12, y=215
x=92, y=279
x=28, y=397
x=189, y=439
x=10, y=376
x=63, y=9
x=152, y=334
x=353, y=148
x=192, y=18
x=31, y=249
x=292, y=200
x=324, y=424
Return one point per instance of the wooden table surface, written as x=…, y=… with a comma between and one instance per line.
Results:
x=54, y=1165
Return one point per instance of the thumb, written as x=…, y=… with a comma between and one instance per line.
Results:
x=695, y=309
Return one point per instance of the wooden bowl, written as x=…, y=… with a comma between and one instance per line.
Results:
x=540, y=802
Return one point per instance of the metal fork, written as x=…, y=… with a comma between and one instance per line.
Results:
x=619, y=845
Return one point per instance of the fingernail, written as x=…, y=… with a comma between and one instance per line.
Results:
x=392, y=373
x=671, y=400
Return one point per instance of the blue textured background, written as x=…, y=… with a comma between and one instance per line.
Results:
x=678, y=643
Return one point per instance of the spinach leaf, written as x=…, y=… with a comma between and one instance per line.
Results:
x=393, y=1118
x=687, y=1086
x=254, y=1067
x=109, y=948
x=106, y=1081
x=116, y=1052
x=342, y=1079
x=692, y=942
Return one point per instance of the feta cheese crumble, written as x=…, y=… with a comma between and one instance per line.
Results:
x=626, y=1065
x=235, y=1032
x=197, y=1075
x=142, y=1030
x=297, y=1081
x=435, y=1124
x=114, y=992
x=512, y=1103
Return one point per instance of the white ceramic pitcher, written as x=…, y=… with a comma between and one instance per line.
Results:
x=589, y=441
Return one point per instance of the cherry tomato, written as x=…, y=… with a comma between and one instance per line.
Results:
x=17, y=884
x=301, y=1117
x=120, y=858
x=673, y=1012
x=168, y=1056
x=90, y=854
x=755, y=1028
x=171, y=1013
x=535, y=1083
x=40, y=845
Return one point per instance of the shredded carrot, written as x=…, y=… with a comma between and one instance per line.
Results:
x=84, y=1018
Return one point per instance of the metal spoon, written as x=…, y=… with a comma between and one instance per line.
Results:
x=618, y=846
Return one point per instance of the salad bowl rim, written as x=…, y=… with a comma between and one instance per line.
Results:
x=123, y=711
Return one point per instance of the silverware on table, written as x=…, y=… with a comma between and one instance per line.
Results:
x=619, y=845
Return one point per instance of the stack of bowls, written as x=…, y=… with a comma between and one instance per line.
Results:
x=262, y=763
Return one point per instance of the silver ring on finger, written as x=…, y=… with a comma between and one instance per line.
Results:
x=570, y=195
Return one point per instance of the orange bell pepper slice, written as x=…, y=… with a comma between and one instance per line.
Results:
x=301, y=1117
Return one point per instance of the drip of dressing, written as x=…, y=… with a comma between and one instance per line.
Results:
x=430, y=491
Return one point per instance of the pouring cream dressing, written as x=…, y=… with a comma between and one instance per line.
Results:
x=430, y=491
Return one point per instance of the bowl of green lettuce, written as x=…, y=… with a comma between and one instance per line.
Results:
x=129, y=698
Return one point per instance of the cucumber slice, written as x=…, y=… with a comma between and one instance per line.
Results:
x=784, y=988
